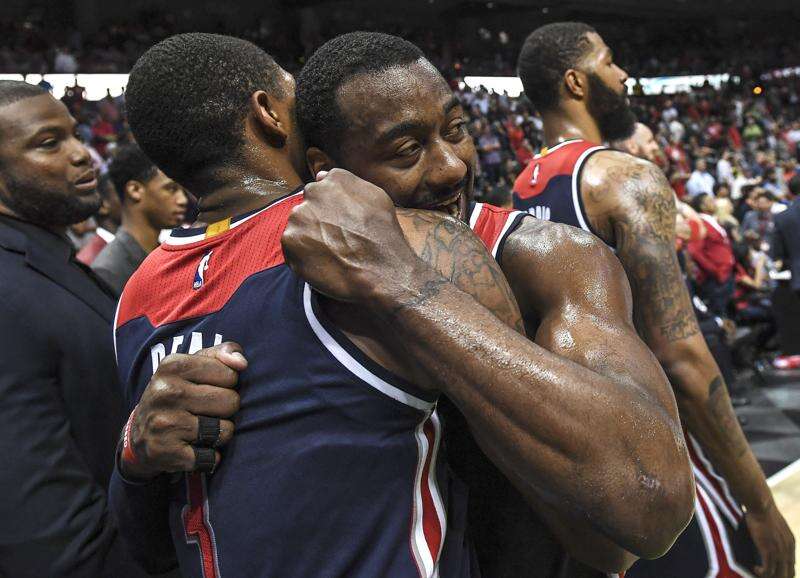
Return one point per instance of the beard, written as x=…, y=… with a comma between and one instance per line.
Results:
x=34, y=201
x=610, y=111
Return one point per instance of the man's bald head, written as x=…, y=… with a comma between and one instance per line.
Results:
x=641, y=143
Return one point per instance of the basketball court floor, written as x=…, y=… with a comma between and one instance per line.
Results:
x=773, y=428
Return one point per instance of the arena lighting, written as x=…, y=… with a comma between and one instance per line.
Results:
x=96, y=86
x=757, y=90
x=655, y=85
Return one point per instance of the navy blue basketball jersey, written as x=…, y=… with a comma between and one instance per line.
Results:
x=549, y=187
x=334, y=470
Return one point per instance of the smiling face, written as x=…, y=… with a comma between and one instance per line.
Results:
x=46, y=174
x=406, y=133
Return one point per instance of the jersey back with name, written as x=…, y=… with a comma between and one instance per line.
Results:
x=334, y=469
x=549, y=187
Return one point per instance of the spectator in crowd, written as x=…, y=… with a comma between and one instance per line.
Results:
x=489, y=149
x=760, y=219
x=642, y=144
x=107, y=219
x=785, y=241
x=714, y=258
x=700, y=180
x=151, y=202
x=62, y=411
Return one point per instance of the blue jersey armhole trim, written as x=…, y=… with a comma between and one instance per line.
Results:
x=363, y=359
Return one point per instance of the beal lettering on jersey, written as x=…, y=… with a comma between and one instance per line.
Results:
x=540, y=212
x=179, y=344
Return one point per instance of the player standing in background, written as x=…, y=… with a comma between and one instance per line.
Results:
x=569, y=74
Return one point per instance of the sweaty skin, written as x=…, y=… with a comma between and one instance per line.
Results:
x=631, y=207
x=539, y=416
x=408, y=136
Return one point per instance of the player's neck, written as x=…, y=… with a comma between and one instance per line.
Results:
x=561, y=125
x=243, y=195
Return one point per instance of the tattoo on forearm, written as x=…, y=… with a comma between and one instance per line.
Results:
x=645, y=240
x=427, y=292
x=719, y=404
x=451, y=249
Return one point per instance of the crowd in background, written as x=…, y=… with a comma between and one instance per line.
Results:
x=731, y=153
x=459, y=43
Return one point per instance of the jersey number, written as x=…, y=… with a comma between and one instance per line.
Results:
x=197, y=526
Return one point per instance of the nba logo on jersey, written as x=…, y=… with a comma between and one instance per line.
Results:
x=200, y=274
x=535, y=176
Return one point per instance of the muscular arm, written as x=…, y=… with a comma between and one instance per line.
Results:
x=631, y=205
x=575, y=287
x=537, y=413
x=528, y=408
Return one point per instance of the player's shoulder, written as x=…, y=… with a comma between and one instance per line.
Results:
x=614, y=178
x=556, y=244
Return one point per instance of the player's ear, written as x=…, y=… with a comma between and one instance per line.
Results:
x=134, y=190
x=575, y=83
x=267, y=120
x=318, y=160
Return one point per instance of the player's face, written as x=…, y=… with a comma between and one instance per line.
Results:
x=164, y=201
x=406, y=132
x=46, y=174
x=647, y=144
x=608, y=96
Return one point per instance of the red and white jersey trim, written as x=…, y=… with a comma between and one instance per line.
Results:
x=721, y=561
x=428, y=521
x=715, y=485
x=492, y=225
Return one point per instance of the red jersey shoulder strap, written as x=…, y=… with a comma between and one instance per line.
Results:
x=493, y=225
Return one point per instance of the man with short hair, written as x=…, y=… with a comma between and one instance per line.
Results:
x=292, y=408
x=403, y=142
x=151, y=202
x=641, y=143
x=760, y=219
x=61, y=410
x=570, y=76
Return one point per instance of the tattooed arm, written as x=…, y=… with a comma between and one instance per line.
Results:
x=631, y=205
x=535, y=414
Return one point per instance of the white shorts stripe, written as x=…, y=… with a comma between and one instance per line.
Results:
x=725, y=502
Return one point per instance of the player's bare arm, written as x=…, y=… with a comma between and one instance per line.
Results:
x=529, y=409
x=630, y=203
x=587, y=319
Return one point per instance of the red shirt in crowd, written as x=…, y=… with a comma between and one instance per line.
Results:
x=713, y=254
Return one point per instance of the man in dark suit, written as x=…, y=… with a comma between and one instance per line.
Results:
x=785, y=242
x=61, y=411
